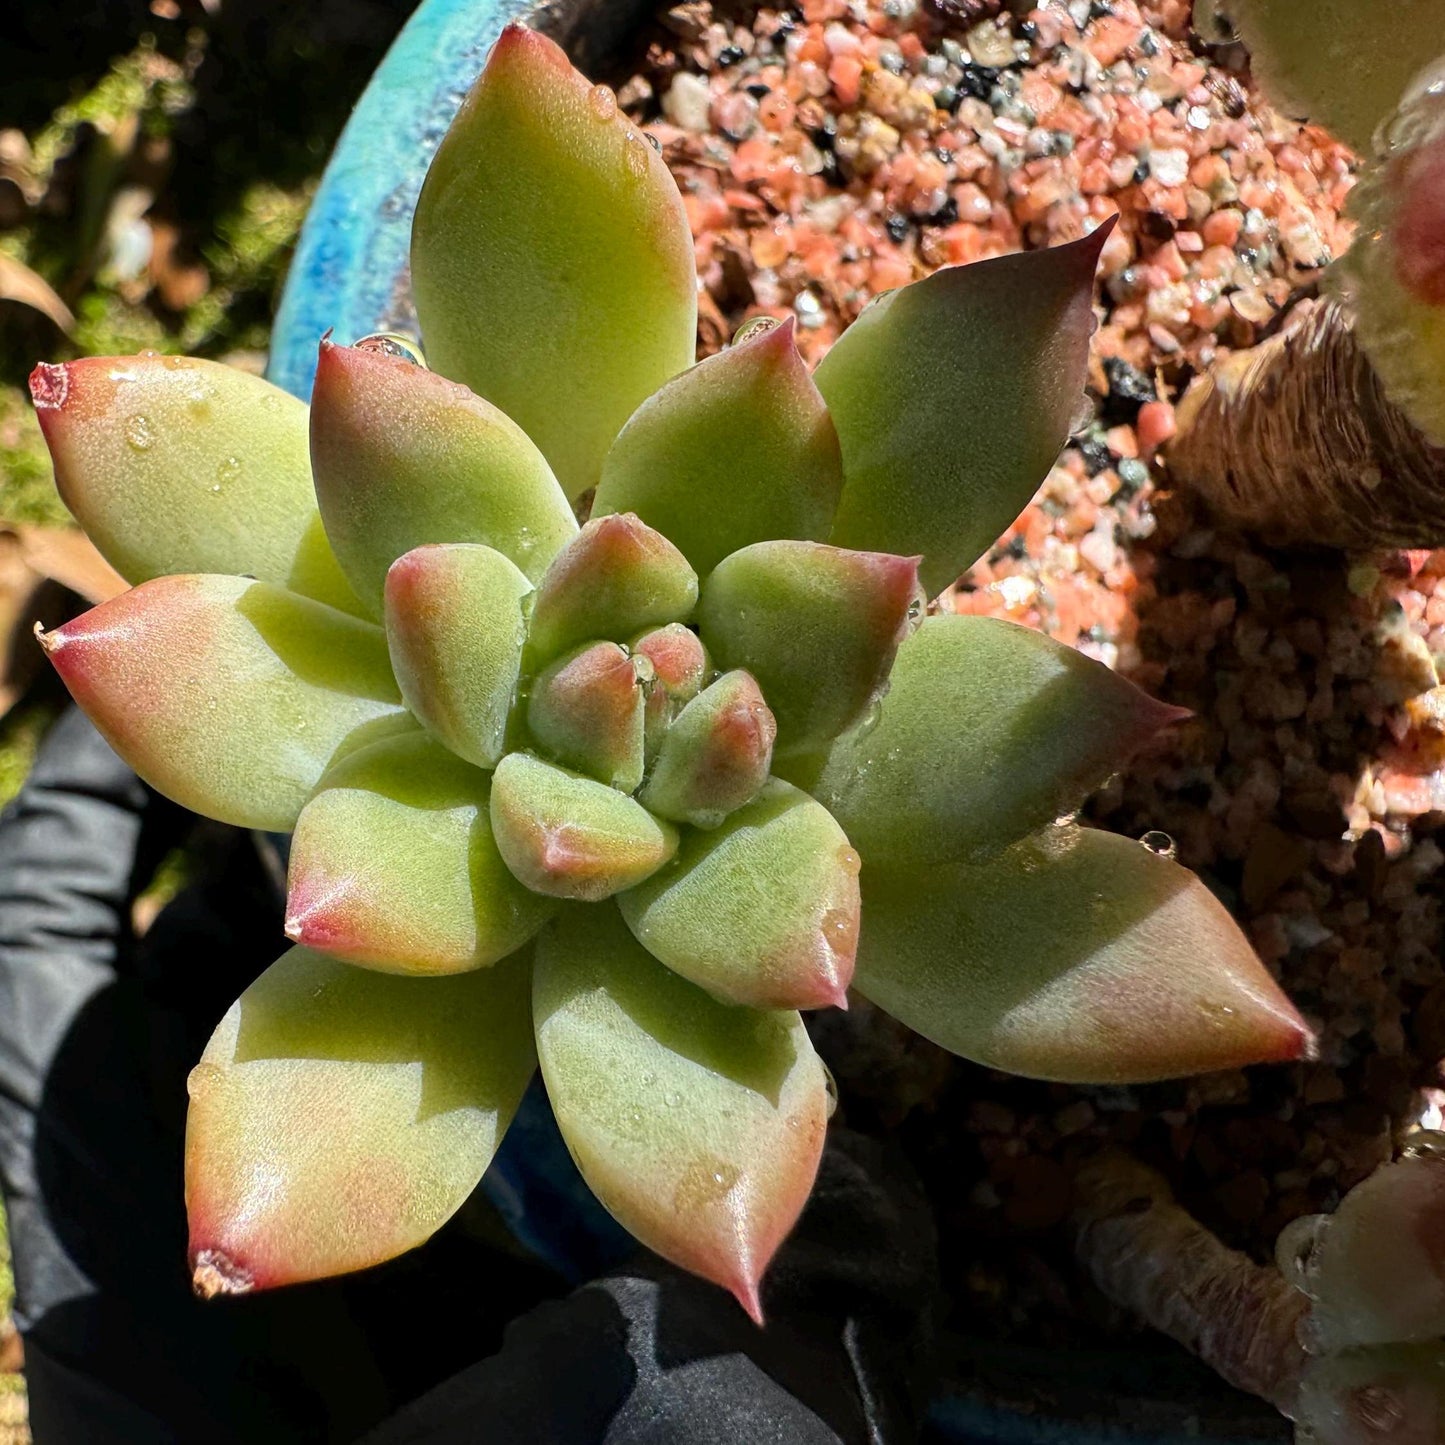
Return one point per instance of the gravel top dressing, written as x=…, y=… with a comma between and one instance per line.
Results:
x=829, y=155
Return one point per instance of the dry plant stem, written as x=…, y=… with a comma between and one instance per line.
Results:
x=1151, y=1256
x=1296, y=439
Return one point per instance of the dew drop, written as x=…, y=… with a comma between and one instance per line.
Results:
x=139, y=432
x=703, y=1182
x=393, y=344
x=202, y=1077
x=634, y=156
x=838, y=929
x=850, y=861
x=226, y=473
x=602, y=102
x=672, y=1099
x=1083, y=414
x=648, y=1080
x=830, y=1086
x=755, y=326
x=1159, y=843
x=644, y=671
x=870, y=719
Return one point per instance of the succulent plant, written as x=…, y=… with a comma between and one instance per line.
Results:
x=1393, y=275
x=619, y=796
x=1343, y=64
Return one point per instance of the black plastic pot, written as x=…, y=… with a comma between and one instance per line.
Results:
x=350, y=273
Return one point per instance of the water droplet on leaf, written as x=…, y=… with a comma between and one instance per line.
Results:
x=393, y=344
x=672, y=1099
x=1159, y=843
x=634, y=156
x=139, y=432
x=755, y=326
x=602, y=102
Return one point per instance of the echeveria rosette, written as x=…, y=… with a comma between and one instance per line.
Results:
x=621, y=797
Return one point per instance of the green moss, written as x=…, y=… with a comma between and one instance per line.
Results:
x=27, y=484
x=247, y=261
x=20, y=732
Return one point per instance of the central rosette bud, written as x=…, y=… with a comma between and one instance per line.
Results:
x=621, y=742
x=599, y=712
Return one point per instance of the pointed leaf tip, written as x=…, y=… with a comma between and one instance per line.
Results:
x=552, y=262
x=698, y=1125
x=952, y=398
x=228, y=696
x=49, y=388
x=339, y=1116
x=818, y=626
x=213, y=1274
x=175, y=465
x=614, y=578
x=737, y=450
x=455, y=624
x=403, y=457
x=587, y=712
x=715, y=756
x=1076, y=956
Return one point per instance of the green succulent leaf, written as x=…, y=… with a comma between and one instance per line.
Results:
x=1334, y=62
x=817, y=626
x=761, y=911
x=952, y=398
x=404, y=457
x=551, y=258
x=699, y=1126
x=339, y=1116
x=455, y=625
x=393, y=865
x=572, y=837
x=586, y=712
x=740, y=449
x=1075, y=955
x=616, y=577
x=680, y=666
x=1385, y=1395
x=715, y=756
x=988, y=731
x=177, y=465
x=227, y=695
x=1376, y=1269
x=1393, y=275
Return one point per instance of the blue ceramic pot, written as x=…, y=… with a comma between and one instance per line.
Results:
x=350, y=273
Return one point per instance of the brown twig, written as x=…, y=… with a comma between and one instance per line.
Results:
x=1149, y=1255
x=1296, y=439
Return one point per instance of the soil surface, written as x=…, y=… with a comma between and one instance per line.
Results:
x=834, y=152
